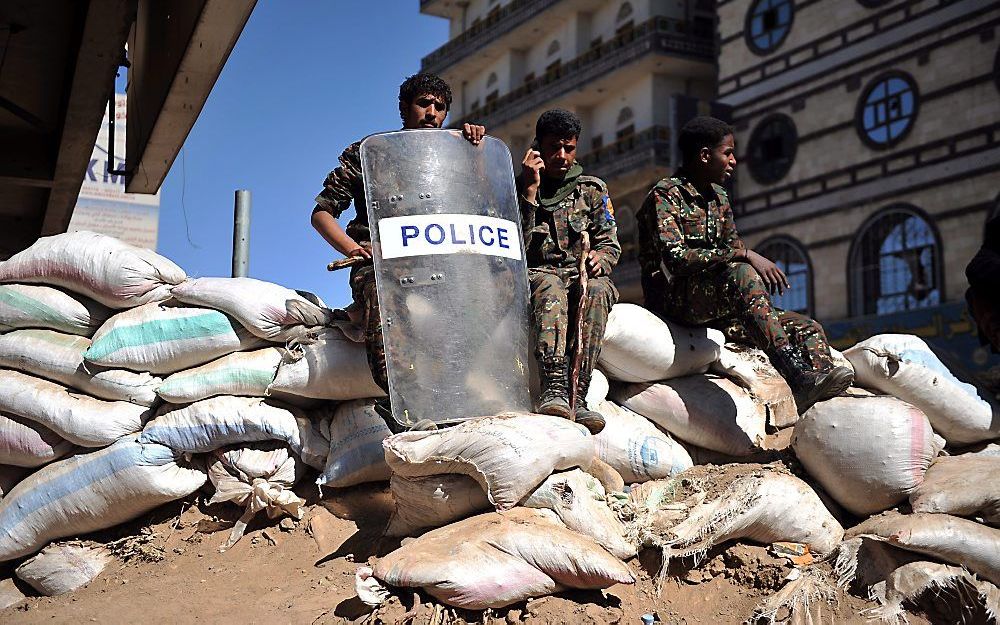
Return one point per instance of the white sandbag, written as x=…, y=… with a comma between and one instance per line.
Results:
x=641, y=347
x=245, y=374
x=63, y=567
x=904, y=366
x=27, y=444
x=868, y=452
x=164, y=339
x=750, y=368
x=325, y=364
x=355, y=432
x=256, y=477
x=267, y=310
x=942, y=536
x=707, y=411
x=78, y=418
x=493, y=560
x=433, y=501
x=59, y=357
x=509, y=455
x=225, y=420
x=967, y=486
x=940, y=583
x=38, y=306
x=598, y=391
x=636, y=448
x=103, y=268
x=92, y=491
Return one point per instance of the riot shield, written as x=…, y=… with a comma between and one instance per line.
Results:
x=450, y=272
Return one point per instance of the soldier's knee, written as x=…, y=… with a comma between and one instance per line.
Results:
x=602, y=290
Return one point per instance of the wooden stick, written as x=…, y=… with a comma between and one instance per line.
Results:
x=350, y=261
x=580, y=310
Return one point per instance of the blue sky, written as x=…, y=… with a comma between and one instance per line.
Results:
x=306, y=79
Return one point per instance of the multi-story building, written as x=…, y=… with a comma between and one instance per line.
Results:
x=870, y=135
x=615, y=63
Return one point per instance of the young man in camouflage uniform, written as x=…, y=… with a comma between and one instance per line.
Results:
x=424, y=100
x=558, y=203
x=696, y=269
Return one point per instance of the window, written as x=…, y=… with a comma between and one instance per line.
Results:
x=553, y=70
x=887, y=109
x=791, y=257
x=553, y=47
x=767, y=24
x=772, y=148
x=627, y=131
x=624, y=12
x=597, y=143
x=895, y=263
x=492, y=96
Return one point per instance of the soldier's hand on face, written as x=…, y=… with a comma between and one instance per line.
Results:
x=594, y=265
x=531, y=169
x=473, y=133
x=773, y=277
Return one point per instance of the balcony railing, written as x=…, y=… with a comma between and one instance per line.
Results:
x=483, y=33
x=649, y=147
x=658, y=35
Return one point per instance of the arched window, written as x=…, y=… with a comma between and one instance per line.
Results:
x=624, y=116
x=887, y=109
x=792, y=258
x=492, y=80
x=767, y=24
x=772, y=148
x=895, y=263
x=624, y=12
x=553, y=47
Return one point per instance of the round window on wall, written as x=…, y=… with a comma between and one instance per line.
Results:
x=767, y=24
x=772, y=148
x=887, y=109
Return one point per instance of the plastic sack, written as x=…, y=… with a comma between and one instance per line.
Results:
x=27, y=444
x=62, y=567
x=325, y=364
x=38, y=306
x=636, y=448
x=355, y=432
x=967, y=486
x=103, y=268
x=246, y=374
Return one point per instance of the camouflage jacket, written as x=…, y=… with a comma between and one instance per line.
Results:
x=344, y=185
x=552, y=231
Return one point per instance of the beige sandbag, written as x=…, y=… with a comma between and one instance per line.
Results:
x=509, y=455
x=78, y=418
x=707, y=411
x=27, y=444
x=910, y=582
x=868, y=452
x=39, y=306
x=59, y=357
x=750, y=368
x=967, y=486
x=355, y=432
x=948, y=538
x=245, y=374
x=325, y=364
x=63, y=567
x=636, y=448
x=433, y=501
x=496, y=559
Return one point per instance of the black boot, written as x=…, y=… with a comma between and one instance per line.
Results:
x=808, y=385
x=590, y=419
x=554, y=399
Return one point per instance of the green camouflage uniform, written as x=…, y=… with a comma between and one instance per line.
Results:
x=552, y=244
x=687, y=243
x=342, y=186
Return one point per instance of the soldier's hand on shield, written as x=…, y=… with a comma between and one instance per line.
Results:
x=595, y=266
x=531, y=173
x=473, y=133
x=773, y=277
x=363, y=250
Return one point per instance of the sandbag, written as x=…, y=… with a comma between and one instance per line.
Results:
x=750, y=368
x=78, y=418
x=98, y=266
x=355, y=432
x=967, y=486
x=641, y=347
x=509, y=455
x=217, y=422
x=940, y=583
x=92, y=491
x=707, y=411
x=904, y=366
x=164, y=339
x=325, y=364
x=493, y=560
x=868, y=452
x=636, y=448
x=942, y=536
x=59, y=357
x=269, y=311
x=27, y=444
x=245, y=374
x=433, y=501
x=63, y=567
x=598, y=391
x=38, y=306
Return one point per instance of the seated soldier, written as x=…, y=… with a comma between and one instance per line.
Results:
x=697, y=271
x=558, y=204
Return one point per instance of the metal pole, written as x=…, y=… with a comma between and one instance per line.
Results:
x=241, y=234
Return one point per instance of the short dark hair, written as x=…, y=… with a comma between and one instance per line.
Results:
x=558, y=122
x=701, y=132
x=422, y=84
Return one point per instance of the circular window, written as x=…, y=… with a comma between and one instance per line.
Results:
x=772, y=148
x=767, y=24
x=887, y=109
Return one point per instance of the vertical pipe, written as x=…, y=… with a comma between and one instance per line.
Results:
x=241, y=234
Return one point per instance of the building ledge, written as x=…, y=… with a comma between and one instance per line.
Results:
x=651, y=147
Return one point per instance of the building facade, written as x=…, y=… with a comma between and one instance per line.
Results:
x=869, y=132
x=617, y=64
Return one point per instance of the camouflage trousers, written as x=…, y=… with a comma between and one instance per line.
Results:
x=365, y=295
x=555, y=298
x=732, y=298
